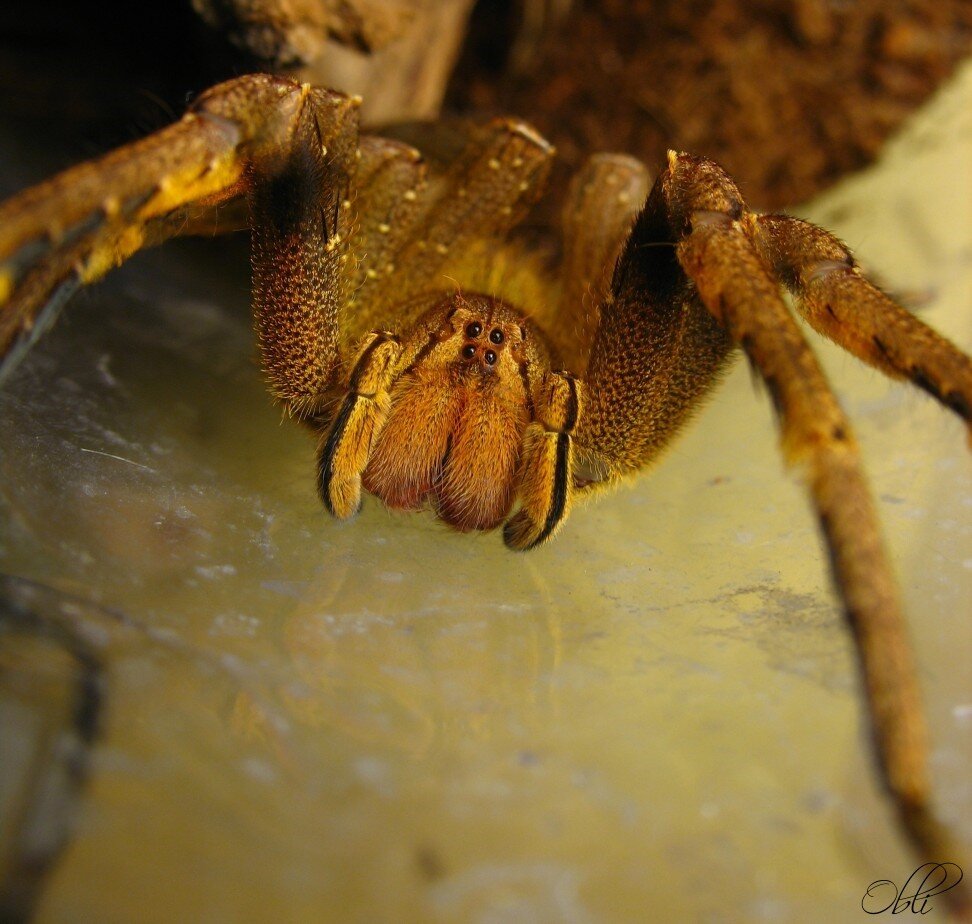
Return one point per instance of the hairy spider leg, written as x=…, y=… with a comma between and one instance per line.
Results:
x=657, y=352
x=842, y=304
x=299, y=238
x=345, y=447
x=709, y=219
x=75, y=227
x=390, y=192
x=603, y=199
x=547, y=466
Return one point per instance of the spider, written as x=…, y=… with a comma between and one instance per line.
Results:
x=443, y=364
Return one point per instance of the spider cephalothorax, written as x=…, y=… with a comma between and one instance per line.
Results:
x=397, y=316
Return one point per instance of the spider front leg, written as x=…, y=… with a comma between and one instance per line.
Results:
x=259, y=136
x=300, y=225
x=699, y=273
x=656, y=353
x=840, y=303
x=723, y=249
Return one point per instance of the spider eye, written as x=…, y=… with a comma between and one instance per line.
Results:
x=496, y=335
x=490, y=357
x=474, y=329
x=468, y=351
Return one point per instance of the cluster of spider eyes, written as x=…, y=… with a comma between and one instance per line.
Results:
x=473, y=330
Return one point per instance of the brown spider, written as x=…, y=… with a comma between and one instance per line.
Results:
x=445, y=366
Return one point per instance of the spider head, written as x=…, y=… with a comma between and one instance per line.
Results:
x=459, y=405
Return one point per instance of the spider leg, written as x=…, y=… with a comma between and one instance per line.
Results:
x=73, y=228
x=840, y=303
x=239, y=137
x=602, y=202
x=300, y=226
x=390, y=189
x=656, y=349
x=656, y=353
x=737, y=288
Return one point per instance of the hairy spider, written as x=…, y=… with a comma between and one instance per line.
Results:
x=445, y=365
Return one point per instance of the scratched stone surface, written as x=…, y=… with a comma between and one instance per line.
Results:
x=218, y=704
